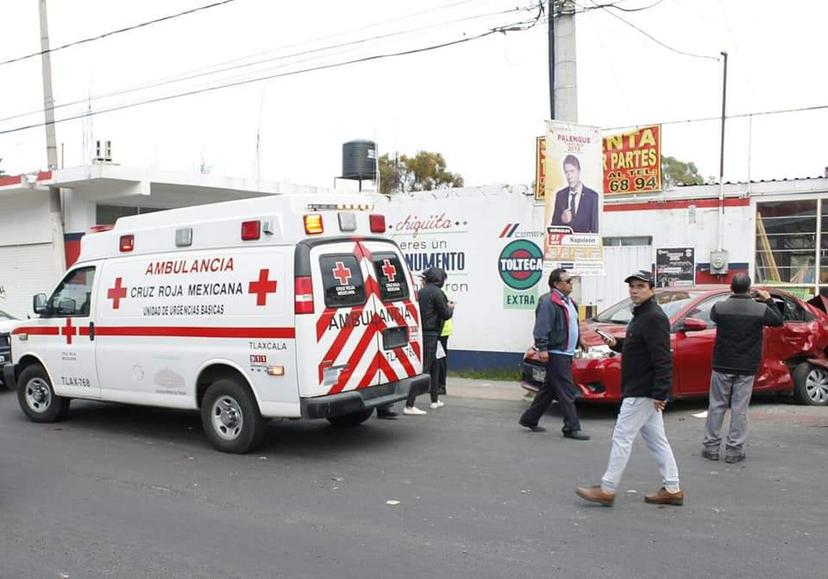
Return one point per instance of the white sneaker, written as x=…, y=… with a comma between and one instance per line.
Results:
x=438, y=404
x=413, y=411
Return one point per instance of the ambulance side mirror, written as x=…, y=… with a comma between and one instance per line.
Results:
x=39, y=304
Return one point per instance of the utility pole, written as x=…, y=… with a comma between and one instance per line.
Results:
x=551, y=38
x=563, y=72
x=721, y=152
x=55, y=205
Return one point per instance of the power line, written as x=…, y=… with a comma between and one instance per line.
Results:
x=606, y=9
x=514, y=27
x=718, y=118
x=211, y=70
x=118, y=31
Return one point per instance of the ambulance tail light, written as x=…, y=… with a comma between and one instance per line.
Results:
x=377, y=222
x=313, y=224
x=303, y=292
x=127, y=243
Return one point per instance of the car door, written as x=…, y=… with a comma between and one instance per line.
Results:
x=793, y=338
x=693, y=351
x=64, y=335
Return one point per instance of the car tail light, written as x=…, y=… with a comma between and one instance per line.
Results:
x=313, y=224
x=127, y=243
x=251, y=230
x=377, y=222
x=303, y=295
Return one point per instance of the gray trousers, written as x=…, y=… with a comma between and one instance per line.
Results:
x=638, y=414
x=728, y=391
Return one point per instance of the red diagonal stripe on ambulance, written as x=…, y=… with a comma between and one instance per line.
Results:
x=406, y=363
x=412, y=310
x=368, y=378
x=339, y=342
x=359, y=351
x=386, y=368
x=323, y=322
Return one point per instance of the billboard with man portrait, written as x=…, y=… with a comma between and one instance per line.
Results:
x=574, y=175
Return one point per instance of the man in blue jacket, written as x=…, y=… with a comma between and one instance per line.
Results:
x=556, y=337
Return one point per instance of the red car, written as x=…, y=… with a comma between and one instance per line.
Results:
x=793, y=358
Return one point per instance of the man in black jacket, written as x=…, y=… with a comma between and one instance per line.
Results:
x=434, y=311
x=740, y=321
x=557, y=335
x=646, y=377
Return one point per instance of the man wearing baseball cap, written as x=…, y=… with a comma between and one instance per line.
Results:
x=646, y=377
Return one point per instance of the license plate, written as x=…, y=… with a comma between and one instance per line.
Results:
x=539, y=374
x=2, y=359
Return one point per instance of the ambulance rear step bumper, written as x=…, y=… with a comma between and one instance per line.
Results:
x=356, y=400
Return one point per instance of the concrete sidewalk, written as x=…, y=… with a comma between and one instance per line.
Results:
x=484, y=389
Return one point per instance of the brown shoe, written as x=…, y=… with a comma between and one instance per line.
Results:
x=662, y=497
x=596, y=495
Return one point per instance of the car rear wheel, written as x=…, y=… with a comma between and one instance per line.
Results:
x=811, y=384
x=37, y=398
x=351, y=420
x=231, y=418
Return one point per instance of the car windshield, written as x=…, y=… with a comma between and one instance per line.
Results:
x=671, y=301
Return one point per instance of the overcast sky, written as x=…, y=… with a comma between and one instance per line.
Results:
x=480, y=103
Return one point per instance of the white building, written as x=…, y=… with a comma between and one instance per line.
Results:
x=487, y=239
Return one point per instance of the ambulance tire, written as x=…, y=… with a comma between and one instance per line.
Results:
x=352, y=419
x=37, y=398
x=231, y=418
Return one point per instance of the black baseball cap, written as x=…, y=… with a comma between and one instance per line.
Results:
x=642, y=275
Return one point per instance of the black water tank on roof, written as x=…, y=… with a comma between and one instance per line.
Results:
x=359, y=160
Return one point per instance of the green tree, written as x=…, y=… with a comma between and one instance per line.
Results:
x=424, y=171
x=675, y=173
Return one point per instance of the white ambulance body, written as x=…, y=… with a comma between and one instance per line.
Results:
x=276, y=307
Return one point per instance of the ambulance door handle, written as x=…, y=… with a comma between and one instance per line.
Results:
x=92, y=331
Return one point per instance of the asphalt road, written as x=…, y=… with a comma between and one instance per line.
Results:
x=120, y=491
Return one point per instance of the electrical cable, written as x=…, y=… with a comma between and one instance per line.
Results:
x=514, y=27
x=719, y=117
x=208, y=72
x=118, y=31
x=651, y=37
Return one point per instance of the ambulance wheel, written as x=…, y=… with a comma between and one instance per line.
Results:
x=352, y=419
x=37, y=398
x=231, y=418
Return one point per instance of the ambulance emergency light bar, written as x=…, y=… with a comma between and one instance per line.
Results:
x=340, y=207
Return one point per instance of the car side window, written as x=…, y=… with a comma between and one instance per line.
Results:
x=791, y=310
x=73, y=297
x=703, y=309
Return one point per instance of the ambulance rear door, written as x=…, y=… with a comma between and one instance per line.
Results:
x=335, y=321
x=391, y=296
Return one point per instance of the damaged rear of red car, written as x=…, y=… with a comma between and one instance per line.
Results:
x=793, y=359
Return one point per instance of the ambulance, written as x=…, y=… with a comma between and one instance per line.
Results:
x=274, y=307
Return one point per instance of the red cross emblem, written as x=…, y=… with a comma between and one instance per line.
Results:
x=262, y=287
x=389, y=270
x=341, y=273
x=116, y=294
x=69, y=330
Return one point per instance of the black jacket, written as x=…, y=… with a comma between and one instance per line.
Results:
x=434, y=309
x=551, y=330
x=646, y=362
x=739, y=323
